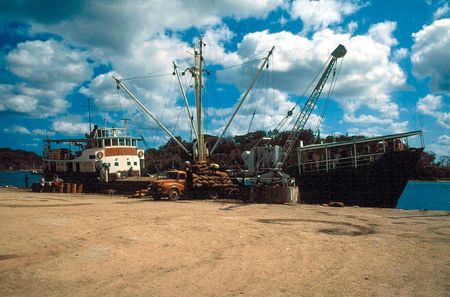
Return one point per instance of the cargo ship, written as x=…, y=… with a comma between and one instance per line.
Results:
x=105, y=154
x=368, y=172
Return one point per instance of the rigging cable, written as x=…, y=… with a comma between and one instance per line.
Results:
x=150, y=75
x=178, y=118
x=213, y=87
x=255, y=94
x=280, y=125
x=330, y=92
x=251, y=120
x=237, y=65
x=266, y=97
x=142, y=114
x=164, y=108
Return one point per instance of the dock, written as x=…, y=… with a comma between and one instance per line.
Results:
x=101, y=245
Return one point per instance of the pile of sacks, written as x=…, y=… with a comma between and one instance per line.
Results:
x=207, y=175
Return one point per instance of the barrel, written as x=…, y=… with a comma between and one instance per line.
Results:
x=67, y=187
x=80, y=188
x=73, y=188
x=60, y=188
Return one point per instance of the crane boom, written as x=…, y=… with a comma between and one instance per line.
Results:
x=148, y=113
x=307, y=109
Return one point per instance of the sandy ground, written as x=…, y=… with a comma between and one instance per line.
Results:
x=91, y=245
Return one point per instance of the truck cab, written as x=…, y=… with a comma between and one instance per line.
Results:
x=172, y=185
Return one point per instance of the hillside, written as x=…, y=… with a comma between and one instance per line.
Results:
x=18, y=159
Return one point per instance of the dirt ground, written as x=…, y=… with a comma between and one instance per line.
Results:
x=92, y=245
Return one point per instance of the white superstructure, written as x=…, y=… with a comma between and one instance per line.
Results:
x=108, y=149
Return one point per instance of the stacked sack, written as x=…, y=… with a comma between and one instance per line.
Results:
x=207, y=175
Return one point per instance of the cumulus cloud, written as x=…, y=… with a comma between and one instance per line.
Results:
x=439, y=149
x=400, y=54
x=367, y=78
x=444, y=140
x=441, y=11
x=269, y=107
x=429, y=51
x=103, y=90
x=320, y=14
x=431, y=105
x=24, y=130
x=365, y=119
x=394, y=127
x=48, y=72
x=70, y=126
x=114, y=25
x=215, y=39
x=17, y=129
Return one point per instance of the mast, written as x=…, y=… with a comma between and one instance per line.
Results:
x=90, y=114
x=198, y=99
x=183, y=94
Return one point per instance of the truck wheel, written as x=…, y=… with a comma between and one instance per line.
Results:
x=174, y=194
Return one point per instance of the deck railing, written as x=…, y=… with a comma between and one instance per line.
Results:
x=343, y=162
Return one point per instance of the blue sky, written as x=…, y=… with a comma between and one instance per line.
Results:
x=394, y=78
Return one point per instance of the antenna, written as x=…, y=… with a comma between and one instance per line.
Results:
x=126, y=126
x=90, y=113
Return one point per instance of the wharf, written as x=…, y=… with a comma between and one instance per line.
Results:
x=101, y=245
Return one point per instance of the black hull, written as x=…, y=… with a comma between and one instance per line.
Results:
x=92, y=184
x=379, y=184
x=90, y=180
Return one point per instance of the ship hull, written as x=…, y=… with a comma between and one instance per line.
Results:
x=379, y=184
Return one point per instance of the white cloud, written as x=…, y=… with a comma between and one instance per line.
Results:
x=443, y=119
x=441, y=11
x=215, y=38
x=114, y=26
x=352, y=26
x=24, y=130
x=381, y=33
x=430, y=54
x=48, y=72
x=368, y=76
x=320, y=14
x=69, y=127
x=17, y=129
x=106, y=97
x=400, y=54
x=365, y=119
x=431, y=105
x=394, y=127
x=444, y=140
x=270, y=107
x=439, y=149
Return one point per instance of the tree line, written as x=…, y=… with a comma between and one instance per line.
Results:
x=228, y=153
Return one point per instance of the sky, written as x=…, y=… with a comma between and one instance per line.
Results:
x=54, y=59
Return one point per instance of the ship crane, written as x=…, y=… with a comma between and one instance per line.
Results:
x=265, y=161
x=307, y=109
